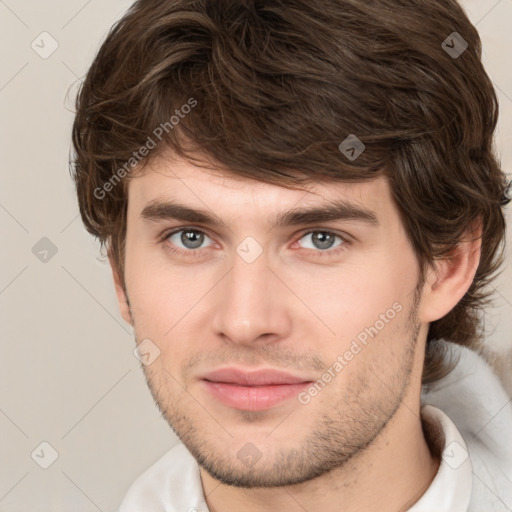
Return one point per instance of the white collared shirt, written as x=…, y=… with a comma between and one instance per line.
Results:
x=450, y=491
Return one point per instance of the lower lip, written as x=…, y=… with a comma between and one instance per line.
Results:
x=253, y=398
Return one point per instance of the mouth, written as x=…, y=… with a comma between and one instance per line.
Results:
x=253, y=391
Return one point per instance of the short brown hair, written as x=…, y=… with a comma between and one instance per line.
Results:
x=277, y=86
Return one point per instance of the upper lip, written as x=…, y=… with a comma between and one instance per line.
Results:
x=265, y=377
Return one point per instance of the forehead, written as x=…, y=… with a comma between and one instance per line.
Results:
x=169, y=178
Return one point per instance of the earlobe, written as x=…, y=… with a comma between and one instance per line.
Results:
x=451, y=276
x=122, y=298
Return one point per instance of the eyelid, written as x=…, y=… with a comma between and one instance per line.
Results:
x=172, y=231
x=344, y=236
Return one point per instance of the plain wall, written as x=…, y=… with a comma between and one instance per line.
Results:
x=68, y=373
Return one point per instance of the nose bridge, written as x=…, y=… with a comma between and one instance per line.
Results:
x=251, y=301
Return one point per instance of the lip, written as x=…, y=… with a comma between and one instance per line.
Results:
x=255, y=390
x=265, y=377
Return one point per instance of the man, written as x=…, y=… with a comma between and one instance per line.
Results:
x=302, y=211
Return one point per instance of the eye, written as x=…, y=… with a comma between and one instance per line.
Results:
x=187, y=239
x=324, y=241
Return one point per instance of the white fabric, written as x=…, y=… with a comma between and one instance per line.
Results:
x=450, y=491
x=474, y=399
x=466, y=412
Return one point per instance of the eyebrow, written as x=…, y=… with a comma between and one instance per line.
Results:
x=331, y=211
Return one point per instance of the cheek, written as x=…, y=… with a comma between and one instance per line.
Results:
x=169, y=306
x=352, y=296
x=158, y=292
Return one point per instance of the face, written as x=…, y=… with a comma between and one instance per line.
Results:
x=326, y=298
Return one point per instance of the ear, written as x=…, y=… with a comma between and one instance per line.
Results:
x=122, y=298
x=451, y=277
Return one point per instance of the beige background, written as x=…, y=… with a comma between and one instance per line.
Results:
x=68, y=373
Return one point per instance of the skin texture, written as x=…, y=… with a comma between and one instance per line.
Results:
x=296, y=307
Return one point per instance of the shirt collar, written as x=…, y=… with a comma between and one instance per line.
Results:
x=450, y=491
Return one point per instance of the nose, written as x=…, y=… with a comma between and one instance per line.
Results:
x=253, y=305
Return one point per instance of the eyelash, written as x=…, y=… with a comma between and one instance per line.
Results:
x=198, y=252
